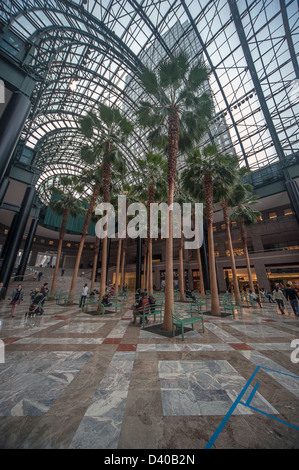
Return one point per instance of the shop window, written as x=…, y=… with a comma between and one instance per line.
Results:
x=288, y=211
x=272, y=215
x=51, y=242
x=68, y=245
x=214, y=228
x=222, y=226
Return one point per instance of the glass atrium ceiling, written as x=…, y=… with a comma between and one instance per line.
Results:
x=84, y=51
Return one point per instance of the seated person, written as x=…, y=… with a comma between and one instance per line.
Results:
x=189, y=295
x=266, y=294
x=105, y=301
x=152, y=302
x=255, y=297
x=111, y=290
x=139, y=305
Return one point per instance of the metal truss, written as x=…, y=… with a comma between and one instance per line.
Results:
x=82, y=52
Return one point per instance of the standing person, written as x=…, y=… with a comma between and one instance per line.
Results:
x=279, y=297
x=44, y=290
x=255, y=297
x=16, y=298
x=293, y=297
x=83, y=295
x=39, y=276
x=2, y=291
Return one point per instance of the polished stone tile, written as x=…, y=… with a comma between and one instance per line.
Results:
x=77, y=381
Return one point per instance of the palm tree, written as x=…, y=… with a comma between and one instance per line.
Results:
x=224, y=189
x=106, y=130
x=176, y=116
x=66, y=204
x=181, y=197
x=200, y=175
x=128, y=190
x=93, y=177
x=246, y=215
x=153, y=169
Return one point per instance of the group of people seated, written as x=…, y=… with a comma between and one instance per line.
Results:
x=109, y=292
x=141, y=299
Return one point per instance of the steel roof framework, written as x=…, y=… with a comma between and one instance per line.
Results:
x=86, y=51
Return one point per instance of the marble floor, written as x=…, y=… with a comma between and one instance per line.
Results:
x=71, y=380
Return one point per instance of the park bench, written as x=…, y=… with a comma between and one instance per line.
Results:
x=229, y=306
x=248, y=301
x=116, y=303
x=181, y=318
x=149, y=310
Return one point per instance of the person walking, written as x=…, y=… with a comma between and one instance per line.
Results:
x=279, y=298
x=83, y=295
x=293, y=297
x=16, y=298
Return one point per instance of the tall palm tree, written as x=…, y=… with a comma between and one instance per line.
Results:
x=153, y=169
x=176, y=116
x=246, y=215
x=200, y=175
x=128, y=190
x=180, y=197
x=64, y=205
x=93, y=178
x=224, y=189
x=106, y=129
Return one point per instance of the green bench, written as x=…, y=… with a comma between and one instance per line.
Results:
x=149, y=310
x=249, y=302
x=229, y=306
x=181, y=318
x=116, y=303
x=62, y=298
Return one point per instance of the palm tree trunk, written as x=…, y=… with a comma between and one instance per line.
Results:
x=231, y=252
x=202, y=286
x=59, y=250
x=244, y=239
x=181, y=270
x=95, y=263
x=145, y=267
x=167, y=321
x=208, y=191
x=82, y=241
x=106, y=198
x=173, y=140
x=151, y=199
x=123, y=259
x=150, y=266
x=117, y=266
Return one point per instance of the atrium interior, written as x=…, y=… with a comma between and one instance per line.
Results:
x=192, y=102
